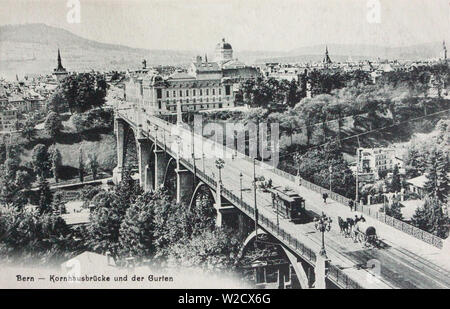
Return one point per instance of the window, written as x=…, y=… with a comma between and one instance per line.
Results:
x=201, y=91
x=193, y=92
x=159, y=104
x=227, y=90
x=167, y=94
x=181, y=93
x=214, y=91
x=158, y=93
x=220, y=91
x=187, y=92
x=207, y=91
x=174, y=93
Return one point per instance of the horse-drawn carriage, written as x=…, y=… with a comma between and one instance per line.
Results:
x=359, y=230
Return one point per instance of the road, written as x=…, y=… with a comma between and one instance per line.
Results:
x=398, y=266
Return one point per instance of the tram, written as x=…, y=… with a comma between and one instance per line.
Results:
x=288, y=204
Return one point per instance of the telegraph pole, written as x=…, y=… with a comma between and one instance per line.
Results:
x=254, y=196
x=357, y=173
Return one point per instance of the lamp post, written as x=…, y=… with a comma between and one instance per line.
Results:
x=323, y=224
x=178, y=140
x=220, y=163
x=297, y=158
x=331, y=173
x=203, y=162
x=254, y=197
x=240, y=184
x=155, y=127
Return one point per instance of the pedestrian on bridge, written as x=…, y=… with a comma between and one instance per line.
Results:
x=350, y=204
x=325, y=196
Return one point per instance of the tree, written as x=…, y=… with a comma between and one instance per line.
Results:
x=45, y=196
x=28, y=237
x=84, y=91
x=105, y=220
x=41, y=160
x=28, y=130
x=431, y=217
x=81, y=165
x=394, y=210
x=53, y=125
x=437, y=170
x=108, y=214
x=58, y=205
x=396, y=182
x=57, y=102
x=137, y=228
x=93, y=164
x=56, y=161
x=211, y=250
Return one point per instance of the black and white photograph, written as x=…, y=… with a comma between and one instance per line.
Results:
x=219, y=148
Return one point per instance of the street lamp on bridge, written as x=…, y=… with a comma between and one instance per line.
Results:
x=240, y=184
x=155, y=127
x=220, y=163
x=323, y=224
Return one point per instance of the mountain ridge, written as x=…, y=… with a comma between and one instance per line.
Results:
x=32, y=48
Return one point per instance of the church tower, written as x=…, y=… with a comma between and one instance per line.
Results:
x=444, y=51
x=326, y=58
x=60, y=72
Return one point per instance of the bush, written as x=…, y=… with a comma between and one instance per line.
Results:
x=92, y=119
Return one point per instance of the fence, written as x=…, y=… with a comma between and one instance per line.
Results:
x=398, y=224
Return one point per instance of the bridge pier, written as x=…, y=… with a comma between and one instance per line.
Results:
x=185, y=182
x=119, y=131
x=161, y=161
x=320, y=272
x=144, y=153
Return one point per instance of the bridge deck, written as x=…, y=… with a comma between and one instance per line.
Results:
x=408, y=263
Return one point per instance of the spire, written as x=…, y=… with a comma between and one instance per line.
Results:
x=326, y=59
x=60, y=67
x=206, y=58
x=444, y=49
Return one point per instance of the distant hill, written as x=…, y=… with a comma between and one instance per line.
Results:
x=341, y=52
x=32, y=49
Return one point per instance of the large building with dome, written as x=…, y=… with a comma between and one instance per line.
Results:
x=205, y=85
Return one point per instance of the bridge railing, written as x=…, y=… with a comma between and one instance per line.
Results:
x=367, y=210
x=334, y=273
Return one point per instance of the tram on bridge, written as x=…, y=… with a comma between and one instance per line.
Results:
x=288, y=204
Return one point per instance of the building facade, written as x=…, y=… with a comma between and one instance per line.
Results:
x=8, y=120
x=205, y=85
x=375, y=160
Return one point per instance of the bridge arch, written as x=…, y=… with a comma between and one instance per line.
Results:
x=130, y=155
x=201, y=185
x=298, y=268
x=170, y=175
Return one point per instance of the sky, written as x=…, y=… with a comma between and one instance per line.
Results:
x=269, y=25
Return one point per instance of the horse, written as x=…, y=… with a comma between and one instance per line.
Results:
x=343, y=225
x=350, y=227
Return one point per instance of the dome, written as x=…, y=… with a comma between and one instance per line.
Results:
x=224, y=45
